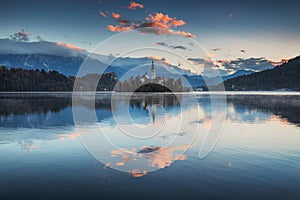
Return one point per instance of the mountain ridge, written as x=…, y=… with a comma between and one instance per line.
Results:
x=283, y=77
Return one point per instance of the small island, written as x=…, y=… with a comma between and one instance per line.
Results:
x=153, y=87
x=152, y=83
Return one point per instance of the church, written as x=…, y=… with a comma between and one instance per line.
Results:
x=145, y=78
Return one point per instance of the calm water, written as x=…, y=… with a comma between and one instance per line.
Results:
x=43, y=155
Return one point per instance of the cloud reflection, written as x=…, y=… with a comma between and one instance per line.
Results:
x=157, y=157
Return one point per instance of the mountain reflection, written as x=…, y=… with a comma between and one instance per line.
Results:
x=283, y=106
x=30, y=104
x=40, y=110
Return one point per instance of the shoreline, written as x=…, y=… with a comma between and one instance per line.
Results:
x=192, y=92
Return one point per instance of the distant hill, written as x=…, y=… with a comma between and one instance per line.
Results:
x=283, y=77
x=201, y=81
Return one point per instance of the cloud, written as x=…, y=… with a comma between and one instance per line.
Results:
x=162, y=44
x=9, y=46
x=170, y=46
x=163, y=31
x=158, y=24
x=39, y=38
x=179, y=47
x=216, y=49
x=69, y=46
x=102, y=14
x=115, y=15
x=133, y=5
x=209, y=68
x=165, y=19
x=124, y=22
x=159, y=59
x=118, y=28
x=226, y=67
x=21, y=36
x=254, y=64
x=198, y=60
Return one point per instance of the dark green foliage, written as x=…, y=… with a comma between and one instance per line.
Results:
x=18, y=80
x=153, y=87
x=283, y=77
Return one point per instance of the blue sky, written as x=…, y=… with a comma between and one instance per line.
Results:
x=261, y=28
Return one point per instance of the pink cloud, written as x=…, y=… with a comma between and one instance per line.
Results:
x=102, y=14
x=159, y=24
x=115, y=15
x=133, y=5
x=69, y=46
x=118, y=28
x=165, y=19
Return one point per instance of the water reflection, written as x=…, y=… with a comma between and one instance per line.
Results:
x=151, y=103
x=53, y=112
x=285, y=107
x=41, y=154
x=42, y=110
x=146, y=132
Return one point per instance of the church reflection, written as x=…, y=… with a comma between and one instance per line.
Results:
x=150, y=103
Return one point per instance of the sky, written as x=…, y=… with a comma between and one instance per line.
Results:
x=226, y=29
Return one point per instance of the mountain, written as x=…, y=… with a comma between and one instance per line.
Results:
x=199, y=81
x=282, y=77
x=67, y=59
x=238, y=73
x=8, y=46
x=69, y=65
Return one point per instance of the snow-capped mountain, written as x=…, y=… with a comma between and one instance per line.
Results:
x=67, y=59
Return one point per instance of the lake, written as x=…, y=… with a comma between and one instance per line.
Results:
x=150, y=146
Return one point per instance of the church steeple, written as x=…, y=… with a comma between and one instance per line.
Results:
x=153, y=75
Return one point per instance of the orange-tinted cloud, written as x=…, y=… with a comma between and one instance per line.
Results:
x=69, y=46
x=185, y=34
x=279, y=62
x=115, y=15
x=133, y=5
x=118, y=28
x=159, y=24
x=159, y=59
x=102, y=14
x=163, y=31
x=163, y=24
x=166, y=20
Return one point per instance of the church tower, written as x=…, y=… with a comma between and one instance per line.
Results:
x=153, y=76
